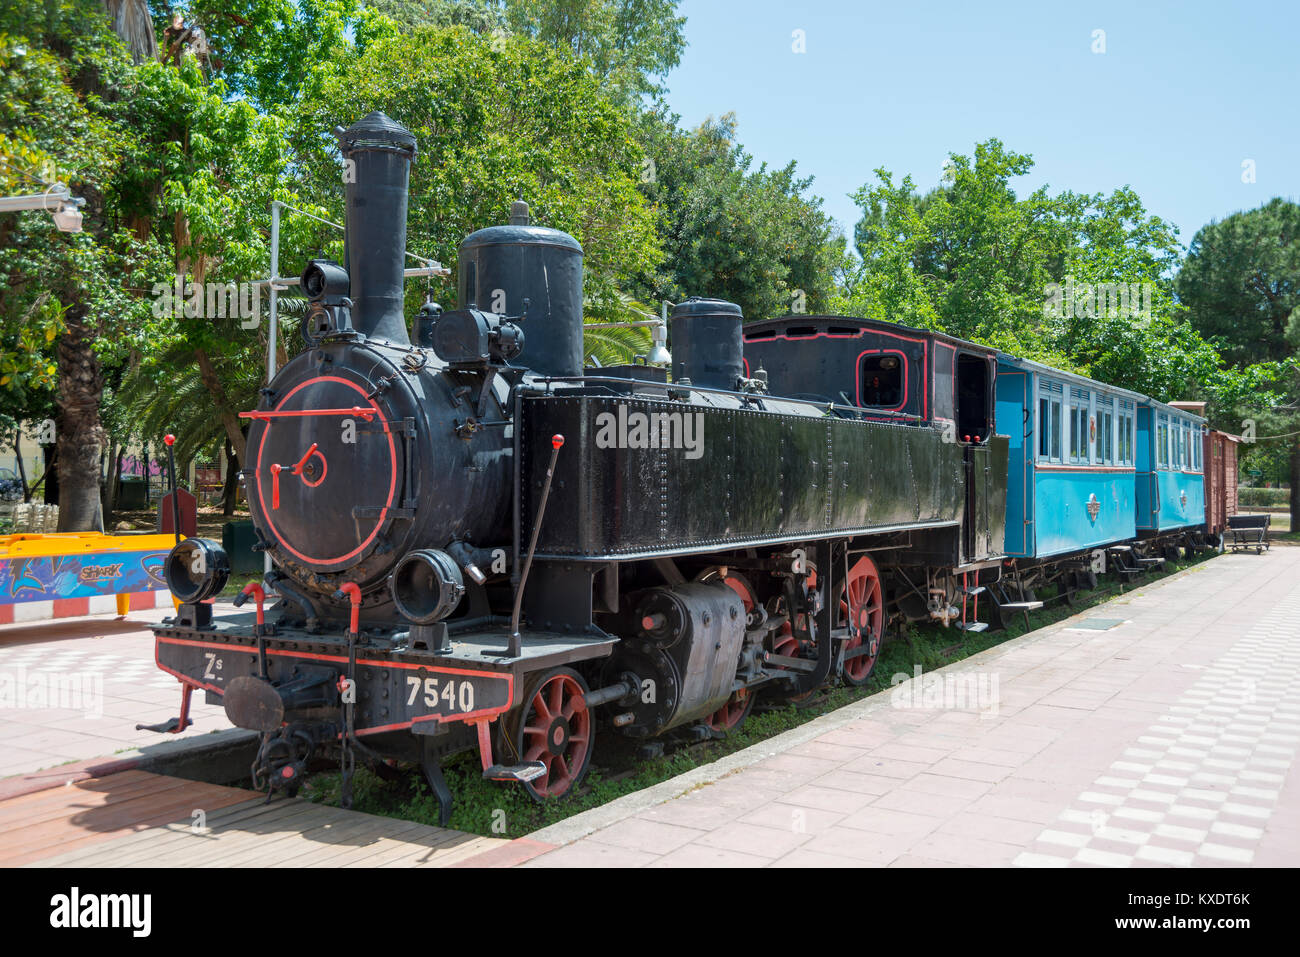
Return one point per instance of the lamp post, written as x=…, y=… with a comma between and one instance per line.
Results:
x=57, y=200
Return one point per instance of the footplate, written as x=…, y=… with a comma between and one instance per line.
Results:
x=527, y=771
x=392, y=691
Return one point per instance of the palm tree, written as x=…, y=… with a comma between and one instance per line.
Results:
x=80, y=378
x=621, y=345
x=131, y=22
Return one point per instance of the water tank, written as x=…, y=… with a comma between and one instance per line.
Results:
x=530, y=271
x=706, y=342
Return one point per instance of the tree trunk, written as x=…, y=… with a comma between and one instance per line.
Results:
x=80, y=435
x=108, y=490
x=22, y=469
x=230, y=491
x=1295, y=487
x=234, y=434
x=115, y=490
x=131, y=22
x=50, y=495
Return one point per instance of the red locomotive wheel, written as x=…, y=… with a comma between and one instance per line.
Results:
x=736, y=709
x=862, y=610
x=786, y=644
x=555, y=728
x=732, y=714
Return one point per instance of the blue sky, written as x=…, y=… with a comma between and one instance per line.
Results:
x=1182, y=95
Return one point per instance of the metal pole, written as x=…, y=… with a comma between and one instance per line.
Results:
x=170, y=441
x=275, y=320
x=515, y=648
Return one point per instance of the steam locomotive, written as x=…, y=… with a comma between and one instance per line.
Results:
x=478, y=543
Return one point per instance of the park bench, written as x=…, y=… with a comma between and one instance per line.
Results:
x=1249, y=531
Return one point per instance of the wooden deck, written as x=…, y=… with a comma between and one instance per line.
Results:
x=137, y=819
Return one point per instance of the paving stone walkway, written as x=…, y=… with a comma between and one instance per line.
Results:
x=75, y=689
x=1159, y=729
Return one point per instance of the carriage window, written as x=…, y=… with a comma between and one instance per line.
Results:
x=1162, y=441
x=1049, y=421
x=1079, y=402
x=1106, y=433
x=1126, y=419
x=882, y=381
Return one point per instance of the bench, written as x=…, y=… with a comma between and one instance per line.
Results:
x=1249, y=531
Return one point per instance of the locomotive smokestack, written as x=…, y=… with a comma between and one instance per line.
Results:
x=378, y=153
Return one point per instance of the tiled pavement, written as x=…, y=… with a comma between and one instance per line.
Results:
x=101, y=669
x=1167, y=739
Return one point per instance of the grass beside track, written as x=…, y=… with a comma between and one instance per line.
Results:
x=503, y=810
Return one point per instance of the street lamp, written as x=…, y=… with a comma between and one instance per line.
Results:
x=57, y=200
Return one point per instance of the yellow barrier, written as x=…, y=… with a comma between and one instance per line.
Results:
x=31, y=568
x=30, y=545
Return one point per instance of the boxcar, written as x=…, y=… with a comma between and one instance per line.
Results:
x=1219, y=453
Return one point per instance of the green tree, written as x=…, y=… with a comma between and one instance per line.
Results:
x=1038, y=276
x=1241, y=281
x=1241, y=287
x=494, y=121
x=480, y=16
x=631, y=44
x=751, y=236
x=60, y=120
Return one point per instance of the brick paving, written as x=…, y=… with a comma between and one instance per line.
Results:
x=1158, y=729
x=75, y=689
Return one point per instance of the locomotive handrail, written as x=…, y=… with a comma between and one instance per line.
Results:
x=829, y=406
x=359, y=412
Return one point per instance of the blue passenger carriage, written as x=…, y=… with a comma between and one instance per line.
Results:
x=1072, y=460
x=1170, y=479
x=1073, y=456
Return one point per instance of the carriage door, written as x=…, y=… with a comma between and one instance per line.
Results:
x=974, y=415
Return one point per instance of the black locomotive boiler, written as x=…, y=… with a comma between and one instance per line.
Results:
x=477, y=543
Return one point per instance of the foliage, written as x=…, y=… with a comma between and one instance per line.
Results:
x=494, y=121
x=270, y=50
x=50, y=132
x=627, y=42
x=976, y=261
x=619, y=345
x=480, y=16
x=1241, y=282
x=751, y=236
x=1241, y=287
x=1247, y=496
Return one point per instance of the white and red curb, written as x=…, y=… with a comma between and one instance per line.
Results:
x=77, y=607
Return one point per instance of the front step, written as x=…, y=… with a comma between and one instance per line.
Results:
x=972, y=625
x=1021, y=606
x=1149, y=562
x=170, y=726
x=974, y=590
x=527, y=771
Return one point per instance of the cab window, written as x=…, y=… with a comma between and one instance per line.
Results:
x=882, y=380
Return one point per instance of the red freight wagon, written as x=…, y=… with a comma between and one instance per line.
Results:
x=1220, y=480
